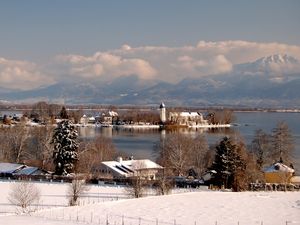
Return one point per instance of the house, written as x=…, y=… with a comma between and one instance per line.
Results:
x=278, y=173
x=8, y=169
x=129, y=168
x=85, y=120
x=108, y=118
x=295, y=180
x=187, y=118
x=12, y=169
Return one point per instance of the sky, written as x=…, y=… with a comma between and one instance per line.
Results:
x=38, y=38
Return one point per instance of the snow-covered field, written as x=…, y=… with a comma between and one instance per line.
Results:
x=110, y=205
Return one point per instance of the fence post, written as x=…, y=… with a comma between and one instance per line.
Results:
x=175, y=222
x=91, y=217
x=123, y=220
x=140, y=220
x=156, y=221
x=107, y=220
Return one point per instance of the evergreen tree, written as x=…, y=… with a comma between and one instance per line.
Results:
x=228, y=164
x=65, y=148
x=63, y=113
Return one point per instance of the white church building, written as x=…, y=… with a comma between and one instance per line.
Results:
x=182, y=118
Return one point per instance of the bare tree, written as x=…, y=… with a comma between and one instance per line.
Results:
x=283, y=143
x=23, y=195
x=14, y=141
x=163, y=184
x=225, y=116
x=94, y=152
x=181, y=152
x=138, y=181
x=76, y=189
x=261, y=147
x=201, y=156
x=39, y=147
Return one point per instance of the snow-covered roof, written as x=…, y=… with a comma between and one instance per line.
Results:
x=187, y=114
x=112, y=113
x=19, y=169
x=10, y=167
x=276, y=167
x=127, y=167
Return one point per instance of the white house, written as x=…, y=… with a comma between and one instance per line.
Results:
x=129, y=168
x=84, y=120
x=187, y=118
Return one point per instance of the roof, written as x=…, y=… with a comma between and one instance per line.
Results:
x=186, y=114
x=10, y=167
x=162, y=105
x=276, y=167
x=28, y=170
x=127, y=167
x=20, y=169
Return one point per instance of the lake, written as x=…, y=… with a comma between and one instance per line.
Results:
x=140, y=143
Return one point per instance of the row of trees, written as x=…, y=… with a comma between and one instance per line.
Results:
x=277, y=145
x=232, y=163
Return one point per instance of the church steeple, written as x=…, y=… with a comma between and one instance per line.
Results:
x=162, y=112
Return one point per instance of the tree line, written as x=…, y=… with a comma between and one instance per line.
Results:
x=232, y=162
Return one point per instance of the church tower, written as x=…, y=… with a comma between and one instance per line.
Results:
x=162, y=112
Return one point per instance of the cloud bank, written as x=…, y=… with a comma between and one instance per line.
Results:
x=22, y=75
x=169, y=64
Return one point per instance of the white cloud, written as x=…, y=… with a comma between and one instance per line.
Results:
x=105, y=65
x=148, y=62
x=216, y=65
x=21, y=75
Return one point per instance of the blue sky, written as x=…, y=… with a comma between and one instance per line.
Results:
x=35, y=29
x=45, y=42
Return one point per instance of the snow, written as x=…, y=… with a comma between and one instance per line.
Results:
x=200, y=207
x=279, y=167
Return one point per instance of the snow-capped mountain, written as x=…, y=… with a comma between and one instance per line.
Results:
x=269, y=81
x=278, y=59
x=274, y=65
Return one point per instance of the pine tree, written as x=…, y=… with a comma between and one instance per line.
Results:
x=63, y=113
x=228, y=163
x=65, y=148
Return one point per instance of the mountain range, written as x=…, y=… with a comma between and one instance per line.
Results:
x=272, y=81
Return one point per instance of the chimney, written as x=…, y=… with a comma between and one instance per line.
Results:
x=119, y=159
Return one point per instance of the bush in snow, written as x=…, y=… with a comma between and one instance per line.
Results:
x=76, y=189
x=65, y=148
x=23, y=195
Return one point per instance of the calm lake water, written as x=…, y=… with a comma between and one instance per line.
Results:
x=140, y=143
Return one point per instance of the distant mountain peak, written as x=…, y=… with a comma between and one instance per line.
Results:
x=277, y=59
